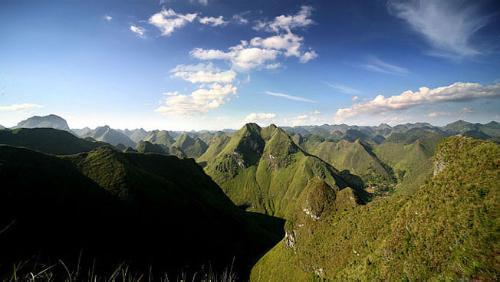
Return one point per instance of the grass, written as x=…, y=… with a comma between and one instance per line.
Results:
x=446, y=230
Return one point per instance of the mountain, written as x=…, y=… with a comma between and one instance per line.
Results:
x=148, y=147
x=161, y=137
x=47, y=140
x=263, y=170
x=192, y=147
x=217, y=144
x=110, y=136
x=446, y=230
x=135, y=135
x=358, y=158
x=490, y=130
x=1, y=127
x=145, y=209
x=82, y=132
x=50, y=121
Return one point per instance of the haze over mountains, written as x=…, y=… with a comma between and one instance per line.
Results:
x=359, y=202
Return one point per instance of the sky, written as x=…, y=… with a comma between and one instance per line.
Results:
x=217, y=64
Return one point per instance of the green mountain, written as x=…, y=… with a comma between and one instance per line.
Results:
x=110, y=136
x=217, y=144
x=192, y=147
x=447, y=230
x=50, y=121
x=47, y=140
x=161, y=137
x=143, y=209
x=263, y=170
x=410, y=156
x=358, y=158
x=135, y=135
x=148, y=147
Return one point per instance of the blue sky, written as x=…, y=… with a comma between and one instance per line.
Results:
x=213, y=64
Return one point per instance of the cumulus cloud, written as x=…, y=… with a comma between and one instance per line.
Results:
x=167, y=21
x=139, y=31
x=309, y=118
x=213, y=21
x=458, y=91
x=108, y=18
x=289, y=97
x=288, y=22
x=215, y=88
x=238, y=18
x=203, y=73
x=242, y=56
x=19, y=107
x=262, y=51
x=447, y=25
x=259, y=117
x=377, y=65
x=201, y=100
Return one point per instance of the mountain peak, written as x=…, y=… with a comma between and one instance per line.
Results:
x=49, y=121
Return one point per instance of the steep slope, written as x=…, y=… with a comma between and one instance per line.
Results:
x=110, y=136
x=136, y=135
x=146, y=209
x=192, y=147
x=47, y=140
x=148, y=147
x=447, y=230
x=161, y=137
x=217, y=144
x=358, y=158
x=49, y=121
x=410, y=156
x=263, y=170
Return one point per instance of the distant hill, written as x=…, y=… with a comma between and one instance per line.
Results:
x=263, y=170
x=358, y=158
x=50, y=121
x=1, y=127
x=145, y=209
x=161, y=137
x=148, y=147
x=446, y=230
x=110, y=136
x=192, y=147
x=47, y=140
x=135, y=135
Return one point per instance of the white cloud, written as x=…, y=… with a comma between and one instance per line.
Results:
x=201, y=2
x=458, y=91
x=260, y=118
x=343, y=88
x=288, y=22
x=19, y=107
x=447, y=25
x=466, y=110
x=203, y=73
x=259, y=51
x=139, y=31
x=213, y=21
x=311, y=118
x=436, y=114
x=168, y=20
x=242, y=56
x=307, y=56
x=377, y=65
x=108, y=18
x=238, y=18
x=289, y=97
x=273, y=66
x=201, y=100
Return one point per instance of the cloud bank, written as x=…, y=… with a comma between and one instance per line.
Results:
x=458, y=91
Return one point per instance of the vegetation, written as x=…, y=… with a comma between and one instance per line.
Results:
x=446, y=230
x=142, y=209
x=263, y=170
x=47, y=140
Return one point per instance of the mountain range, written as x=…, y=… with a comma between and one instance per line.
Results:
x=329, y=202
